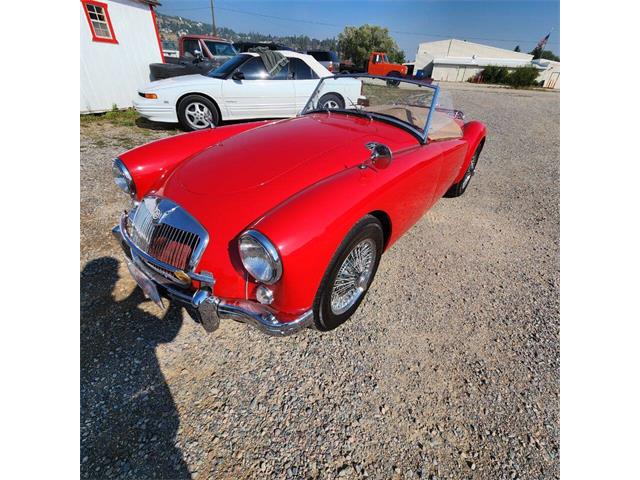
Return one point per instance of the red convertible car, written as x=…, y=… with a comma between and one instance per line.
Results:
x=281, y=224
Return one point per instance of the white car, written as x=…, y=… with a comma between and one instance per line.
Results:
x=242, y=89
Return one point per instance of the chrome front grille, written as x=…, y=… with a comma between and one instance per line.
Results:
x=162, y=229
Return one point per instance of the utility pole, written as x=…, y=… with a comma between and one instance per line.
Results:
x=213, y=21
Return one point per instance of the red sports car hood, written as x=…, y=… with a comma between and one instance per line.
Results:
x=296, y=149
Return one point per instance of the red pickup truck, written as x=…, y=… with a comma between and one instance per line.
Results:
x=378, y=64
x=197, y=54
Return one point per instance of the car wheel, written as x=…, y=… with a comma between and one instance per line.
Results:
x=196, y=112
x=349, y=275
x=393, y=83
x=459, y=188
x=330, y=101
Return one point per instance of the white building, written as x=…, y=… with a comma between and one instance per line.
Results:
x=458, y=61
x=118, y=41
x=551, y=74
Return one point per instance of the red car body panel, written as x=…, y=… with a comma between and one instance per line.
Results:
x=301, y=183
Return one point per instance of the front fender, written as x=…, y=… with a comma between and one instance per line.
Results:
x=308, y=228
x=150, y=164
x=473, y=132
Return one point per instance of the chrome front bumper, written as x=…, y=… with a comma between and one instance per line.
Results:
x=202, y=304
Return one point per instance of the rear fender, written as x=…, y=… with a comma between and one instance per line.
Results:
x=150, y=164
x=474, y=132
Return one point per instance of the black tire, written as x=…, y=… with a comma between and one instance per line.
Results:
x=459, y=188
x=190, y=106
x=331, y=98
x=367, y=231
x=393, y=83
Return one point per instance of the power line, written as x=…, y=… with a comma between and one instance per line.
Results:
x=399, y=32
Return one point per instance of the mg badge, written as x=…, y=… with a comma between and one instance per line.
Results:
x=182, y=276
x=156, y=214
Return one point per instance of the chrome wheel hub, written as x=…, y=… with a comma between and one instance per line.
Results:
x=198, y=115
x=331, y=104
x=353, y=276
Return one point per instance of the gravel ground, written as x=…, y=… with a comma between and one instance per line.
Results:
x=450, y=368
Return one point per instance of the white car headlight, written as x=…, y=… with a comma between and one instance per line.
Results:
x=260, y=257
x=123, y=178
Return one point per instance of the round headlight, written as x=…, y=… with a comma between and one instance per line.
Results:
x=123, y=178
x=260, y=257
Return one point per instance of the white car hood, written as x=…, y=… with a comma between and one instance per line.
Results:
x=179, y=82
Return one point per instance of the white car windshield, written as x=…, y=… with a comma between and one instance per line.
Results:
x=229, y=66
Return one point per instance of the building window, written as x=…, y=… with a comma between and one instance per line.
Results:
x=99, y=22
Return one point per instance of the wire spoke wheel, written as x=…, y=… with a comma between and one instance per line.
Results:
x=471, y=170
x=353, y=276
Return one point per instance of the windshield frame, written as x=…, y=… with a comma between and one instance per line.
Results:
x=422, y=135
x=243, y=54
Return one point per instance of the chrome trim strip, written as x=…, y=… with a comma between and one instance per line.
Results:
x=264, y=320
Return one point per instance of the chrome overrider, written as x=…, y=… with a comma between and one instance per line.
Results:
x=202, y=304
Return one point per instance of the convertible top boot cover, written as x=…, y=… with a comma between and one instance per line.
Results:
x=273, y=61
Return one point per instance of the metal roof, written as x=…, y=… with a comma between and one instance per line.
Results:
x=485, y=62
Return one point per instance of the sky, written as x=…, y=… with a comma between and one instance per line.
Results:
x=503, y=24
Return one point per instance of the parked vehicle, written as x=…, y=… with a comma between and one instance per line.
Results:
x=196, y=54
x=378, y=64
x=169, y=50
x=241, y=89
x=281, y=224
x=243, y=47
x=328, y=59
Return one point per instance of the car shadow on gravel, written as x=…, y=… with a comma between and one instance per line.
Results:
x=128, y=419
x=146, y=124
x=142, y=122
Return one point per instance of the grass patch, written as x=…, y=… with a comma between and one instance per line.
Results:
x=122, y=118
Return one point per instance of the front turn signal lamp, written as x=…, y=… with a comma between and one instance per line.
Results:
x=151, y=96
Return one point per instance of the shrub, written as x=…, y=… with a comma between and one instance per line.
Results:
x=523, y=77
x=492, y=74
x=517, y=77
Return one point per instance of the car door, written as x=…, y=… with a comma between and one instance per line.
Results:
x=453, y=154
x=258, y=95
x=305, y=80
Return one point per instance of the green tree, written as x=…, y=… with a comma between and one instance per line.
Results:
x=545, y=54
x=356, y=43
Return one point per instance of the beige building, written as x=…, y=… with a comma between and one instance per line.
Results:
x=458, y=61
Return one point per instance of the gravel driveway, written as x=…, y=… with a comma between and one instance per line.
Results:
x=450, y=368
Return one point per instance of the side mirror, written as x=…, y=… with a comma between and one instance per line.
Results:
x=238, y=76
x=381, y=155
